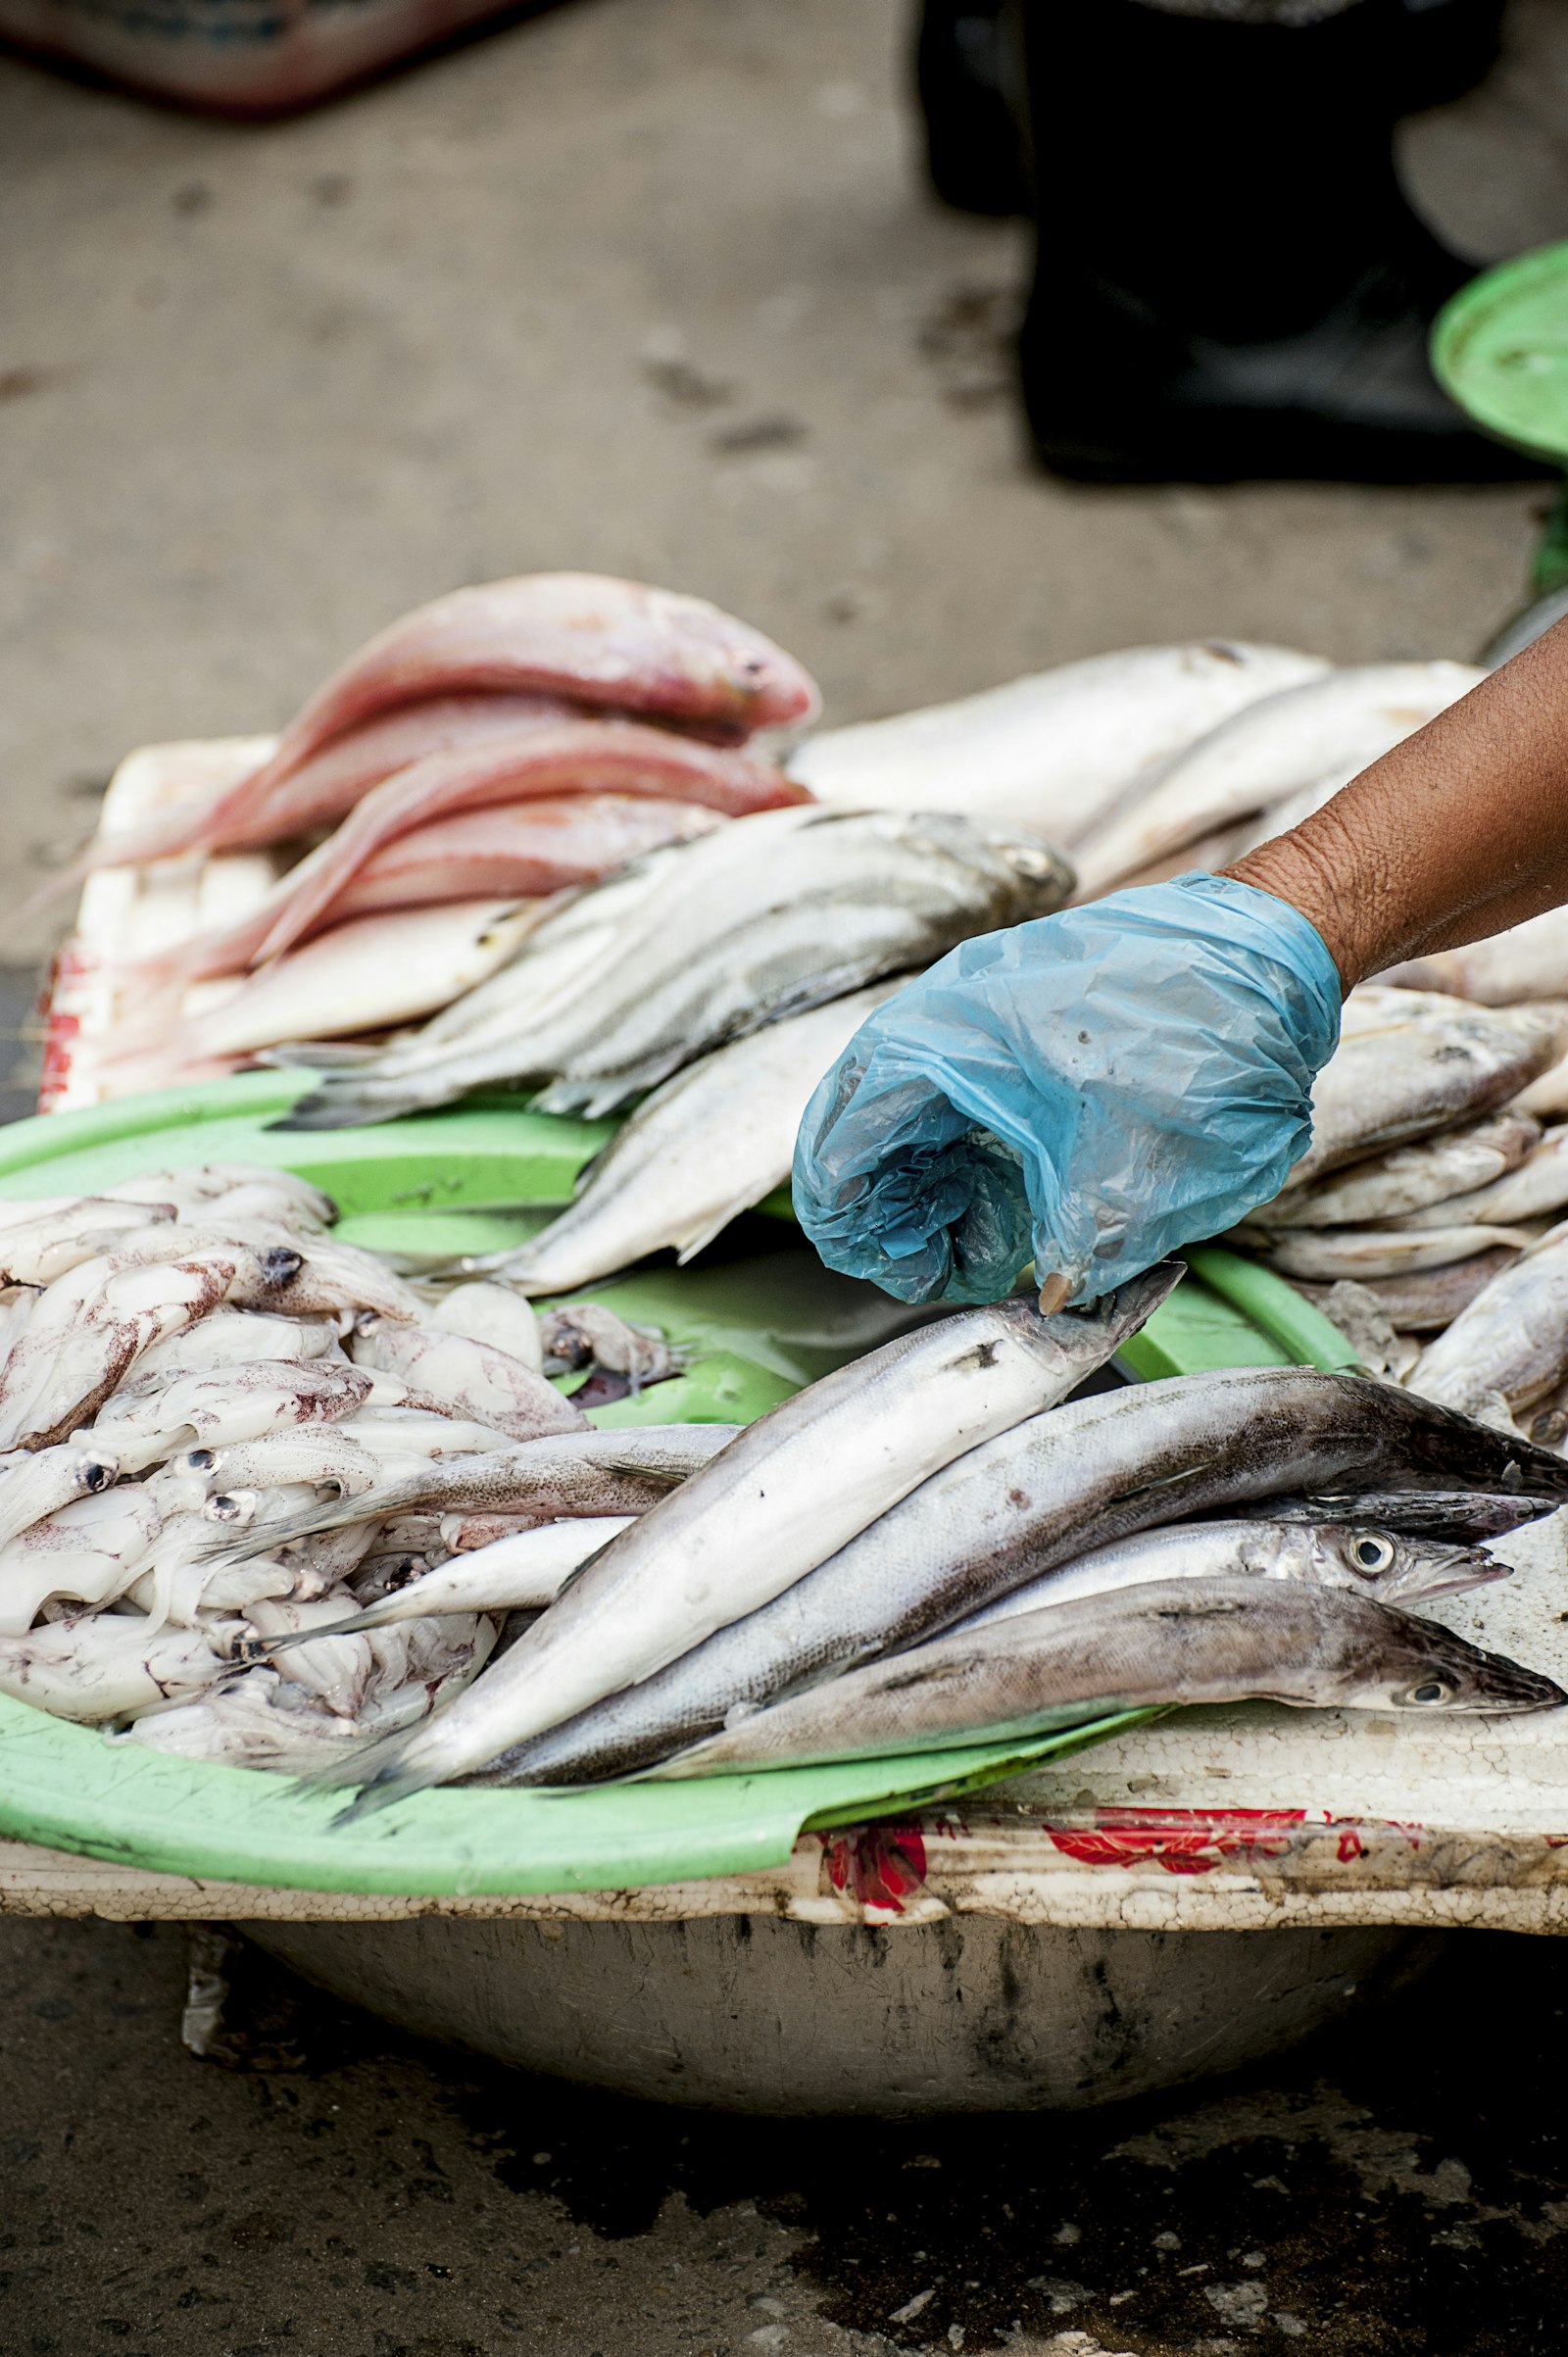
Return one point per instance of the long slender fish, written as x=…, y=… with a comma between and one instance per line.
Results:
x=1274, y=747
x=798, y=1484
x=1093, y=1472
x=1435, y=1171
x=1054, y=751
x=586, y=637
x=702, y=1149
x=1382, y=1564
x=1512, y=1339
x=1173, y=1642
x=735, y=931
x=520, y=1574
x=567, y=1473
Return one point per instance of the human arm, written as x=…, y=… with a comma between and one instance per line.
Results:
x=1458, y=832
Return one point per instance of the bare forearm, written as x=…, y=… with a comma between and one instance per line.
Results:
x=1457, y=832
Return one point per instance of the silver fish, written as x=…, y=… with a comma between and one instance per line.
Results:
x=524, y=1573
x=703, y=1148
x=563, y=1474
x=1512, y=1339
x=469, y=1376
x=798, y=1484
x=744, y=927
x=1411, y=1179
x=1054, y=750
x=1397, y=1080
x=1382, y=1565
x=1431, y=1299
x=1537, y=1186
x=1095, y=1471
x=1328, y=1254
x=1173, y=1642
x=1337, y=724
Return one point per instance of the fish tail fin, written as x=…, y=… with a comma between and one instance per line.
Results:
x=345, y=1100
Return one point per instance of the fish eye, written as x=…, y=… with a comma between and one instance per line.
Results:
x=1431, y=1690
x=1371, y=1553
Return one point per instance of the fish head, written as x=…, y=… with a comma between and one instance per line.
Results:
x=1425, y=1671
x=1041, y=878
x=1397, y=1568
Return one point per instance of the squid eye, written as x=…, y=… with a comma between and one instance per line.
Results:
x=1371, y=1553
x=99, y=1477
x=200, y=1461
x=228, y=1506
x=1431, y=1692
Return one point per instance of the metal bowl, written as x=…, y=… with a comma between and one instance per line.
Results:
x=756, y=2013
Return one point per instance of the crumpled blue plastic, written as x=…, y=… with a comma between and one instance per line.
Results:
x=1088, y=1091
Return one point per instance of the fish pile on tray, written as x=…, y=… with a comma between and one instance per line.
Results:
x=1426, y=1218
x=507, y=743
x=265, y=1501
x=531, y=788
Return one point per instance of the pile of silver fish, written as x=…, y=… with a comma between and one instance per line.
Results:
x=937, y=1544
x=262, y=1499
x=1426, y=1218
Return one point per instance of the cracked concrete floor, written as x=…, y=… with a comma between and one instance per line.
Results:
x=333, y=2189
x=653, y=285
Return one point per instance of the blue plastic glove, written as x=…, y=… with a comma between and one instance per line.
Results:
x=1091, y=1090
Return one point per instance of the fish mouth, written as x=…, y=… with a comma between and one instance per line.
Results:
x=1457, y=1575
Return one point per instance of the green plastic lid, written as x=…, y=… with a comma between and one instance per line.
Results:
x=1500, y=347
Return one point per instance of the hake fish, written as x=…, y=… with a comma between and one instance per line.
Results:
x=1172, y=1641
x=704, y=1147
x=1416, y=1513
x=797, y=1485
x=1054, y=751
x=1435, y=1172
x=1089, y=1473
x=1431, y=1299
x=1272, y=749
x=563, y=1474
x=522, y=1573
x=735, y=931
x=1385, y=1565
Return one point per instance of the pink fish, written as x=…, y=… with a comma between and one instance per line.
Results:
x=524, y=848
x=594, y=640
x=577, y=757
x=329, y=783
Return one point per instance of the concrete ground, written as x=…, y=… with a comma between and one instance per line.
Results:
x=653, y=285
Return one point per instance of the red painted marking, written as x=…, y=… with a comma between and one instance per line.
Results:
x=878, y=1865
x=1351, y=1845
x=1182, y=1840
